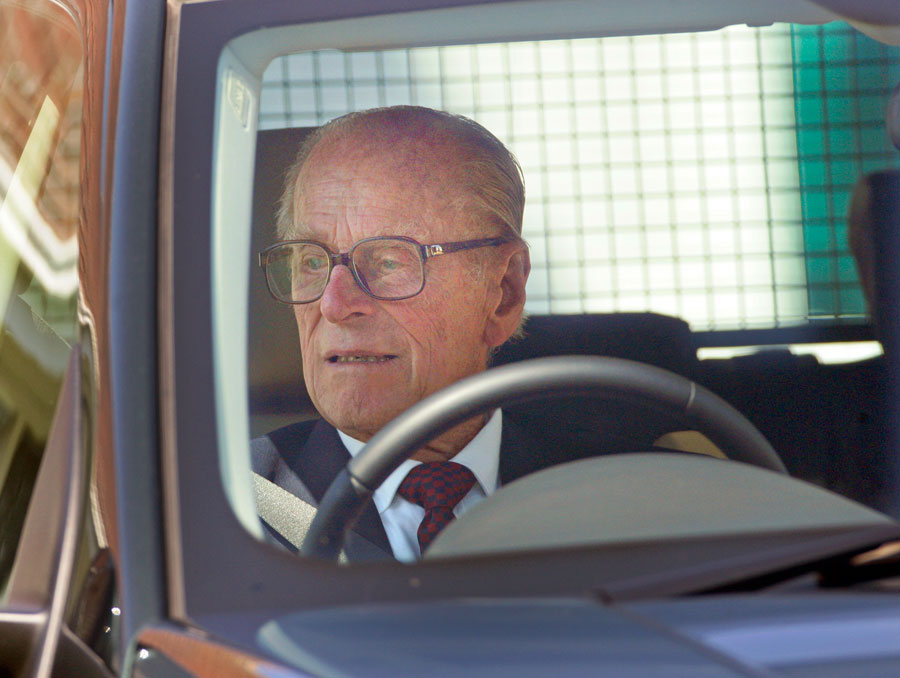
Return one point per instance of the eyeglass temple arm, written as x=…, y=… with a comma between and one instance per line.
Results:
x=459, y=246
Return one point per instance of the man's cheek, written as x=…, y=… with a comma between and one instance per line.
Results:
x=305, y=336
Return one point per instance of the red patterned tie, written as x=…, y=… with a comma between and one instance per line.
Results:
x=436, y=486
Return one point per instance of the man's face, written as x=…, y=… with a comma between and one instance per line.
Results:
x=365, y=361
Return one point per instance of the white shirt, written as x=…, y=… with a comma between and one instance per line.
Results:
x=401, y=518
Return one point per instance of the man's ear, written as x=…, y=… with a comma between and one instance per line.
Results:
x=505, y=312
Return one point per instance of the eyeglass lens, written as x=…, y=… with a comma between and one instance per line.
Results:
x=387, y=268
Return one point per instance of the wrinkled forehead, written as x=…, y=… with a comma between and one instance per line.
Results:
x=411, y=179
x=415, y=153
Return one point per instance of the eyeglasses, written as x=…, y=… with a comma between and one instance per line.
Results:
x=387, y=268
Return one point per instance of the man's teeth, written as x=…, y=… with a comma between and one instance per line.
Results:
x=361, y=358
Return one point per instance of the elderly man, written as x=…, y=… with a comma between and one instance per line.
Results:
x=402, y=256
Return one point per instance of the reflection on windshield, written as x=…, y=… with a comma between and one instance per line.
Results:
x=40, y=139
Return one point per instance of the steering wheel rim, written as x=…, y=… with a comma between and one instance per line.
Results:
x=514, y=383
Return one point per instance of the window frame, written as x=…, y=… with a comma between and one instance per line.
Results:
x=249, y=574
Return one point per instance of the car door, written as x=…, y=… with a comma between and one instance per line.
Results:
x=56, y=583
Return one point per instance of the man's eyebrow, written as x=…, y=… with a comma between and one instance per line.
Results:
x=300, y=233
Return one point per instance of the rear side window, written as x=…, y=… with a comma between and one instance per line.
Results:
x=701, y=175
x=40, y=140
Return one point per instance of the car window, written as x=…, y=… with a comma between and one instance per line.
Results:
x=702, y=175
x=40, y=140
x=705, y=176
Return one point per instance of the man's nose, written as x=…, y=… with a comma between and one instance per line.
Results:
x=343, y=297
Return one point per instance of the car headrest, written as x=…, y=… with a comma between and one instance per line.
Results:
x=652, y=338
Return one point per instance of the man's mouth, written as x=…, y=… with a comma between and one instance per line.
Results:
x=336, y=359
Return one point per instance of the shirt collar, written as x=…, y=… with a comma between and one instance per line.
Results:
x=481, y=456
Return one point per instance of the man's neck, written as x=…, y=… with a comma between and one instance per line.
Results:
x=444, y=447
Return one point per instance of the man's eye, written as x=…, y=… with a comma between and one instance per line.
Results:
x=313, y=263
x=388, y=260
x=388, y=265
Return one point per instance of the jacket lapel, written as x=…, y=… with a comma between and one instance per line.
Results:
x=322, y=458
x=309, y=455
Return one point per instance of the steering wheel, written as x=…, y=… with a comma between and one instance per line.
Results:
x=527, y=380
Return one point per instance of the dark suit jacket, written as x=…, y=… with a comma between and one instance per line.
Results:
x=305, y=457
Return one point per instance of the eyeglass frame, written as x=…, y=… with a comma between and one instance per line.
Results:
x=426, y=252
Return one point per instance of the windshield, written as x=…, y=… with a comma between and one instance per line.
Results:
x=687, y=202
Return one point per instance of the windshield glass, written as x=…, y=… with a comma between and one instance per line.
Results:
x=686, y=196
